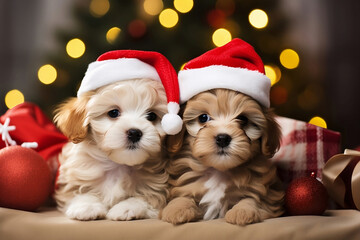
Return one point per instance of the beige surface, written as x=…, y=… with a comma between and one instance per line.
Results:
x=51, y=224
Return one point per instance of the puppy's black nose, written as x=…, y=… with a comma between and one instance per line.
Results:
x=134, y=135
x=223, y=140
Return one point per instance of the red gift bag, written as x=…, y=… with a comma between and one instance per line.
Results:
x=30, y=124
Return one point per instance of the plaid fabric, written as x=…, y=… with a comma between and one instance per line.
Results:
x=304, y=149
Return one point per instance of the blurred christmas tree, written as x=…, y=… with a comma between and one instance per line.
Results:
x=181, y=30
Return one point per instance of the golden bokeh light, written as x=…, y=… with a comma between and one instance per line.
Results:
x=318, y=121
x=112, y=34
x=183, y=6
x=168, y=18
x=289, y=59
x=47, y=74
x=270, y=73
x=273, y=72
x=99, y=8
x=75, y=48
x=258, y=18
x=13, y=98
x=221, y=37
x=153, y=7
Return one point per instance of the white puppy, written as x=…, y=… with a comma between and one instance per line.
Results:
x=114, y=166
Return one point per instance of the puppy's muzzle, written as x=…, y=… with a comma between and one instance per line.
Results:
x=223, y=140
x=134, y=135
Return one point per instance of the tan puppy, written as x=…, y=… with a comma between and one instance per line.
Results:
x=114, y=166
x=221, y=164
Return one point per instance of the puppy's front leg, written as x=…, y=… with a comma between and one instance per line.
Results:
x=181, y=210
x=246, y=211
x=132, y=208
x=85, y=207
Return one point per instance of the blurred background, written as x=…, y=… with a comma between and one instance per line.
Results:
x=310, y=48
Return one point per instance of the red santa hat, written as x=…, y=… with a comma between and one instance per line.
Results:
x=234, y=66
x=121, y=65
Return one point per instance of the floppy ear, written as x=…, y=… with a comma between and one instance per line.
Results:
x=175, y=142
x=272, y=136
x=70, y=118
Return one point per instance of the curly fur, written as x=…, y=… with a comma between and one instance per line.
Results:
x=102, y=174
x=237, y=182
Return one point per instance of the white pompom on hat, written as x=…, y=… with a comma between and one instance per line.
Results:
x=235, y=66
x=120, y=65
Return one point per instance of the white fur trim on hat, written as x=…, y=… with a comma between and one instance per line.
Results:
x=251, y=83
x=102, y=73
x=171, y=122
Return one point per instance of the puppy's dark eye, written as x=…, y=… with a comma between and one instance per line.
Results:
x=243, y=120
x=203, y=118
x=151, y=116
x=114, y=113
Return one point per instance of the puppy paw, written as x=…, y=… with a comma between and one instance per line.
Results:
x=86, y=211
x=132, y=208
x=243, y=213
x=180, y=210
x=242, y=216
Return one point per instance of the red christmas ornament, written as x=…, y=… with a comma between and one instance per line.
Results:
x=306, y=196
x=25, y=178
